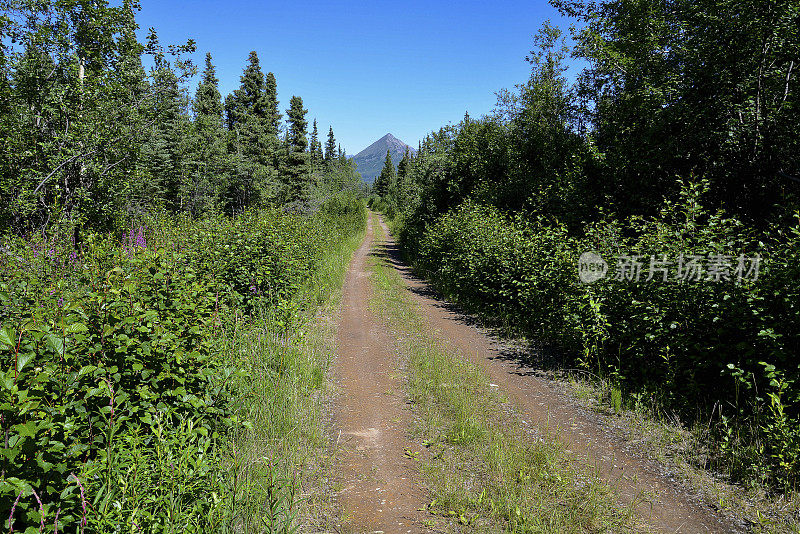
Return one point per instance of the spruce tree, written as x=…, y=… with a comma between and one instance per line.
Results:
x=273, y=113
x=297, y=144
x=252, y=90
x=402, y=191
x=315, y=148
x=208, y=167
x=164, y=151
x=386, y=179
x=330, y=148
x=253, y=143
x=249, y=98
x=272, y=119
x=208, y=101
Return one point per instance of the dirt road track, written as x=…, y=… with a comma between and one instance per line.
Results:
x=666, y=508
x=380, y=487
x=379, y=483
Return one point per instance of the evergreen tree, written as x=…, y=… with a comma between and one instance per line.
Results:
x=249, y=98
x=404, y=193
x=330, y=148
x=164, y=151
x=252, y=90
x=387, y=178
x=208, y=101
x=342, y=157
x=315, y=148
x=297, y=144
x=252, y=141
x=208, y=165
x=273, y=113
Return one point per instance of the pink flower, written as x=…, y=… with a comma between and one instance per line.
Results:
x=11, y=515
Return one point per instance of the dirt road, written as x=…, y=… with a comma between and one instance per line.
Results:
x=379, y=491
x=379, y=485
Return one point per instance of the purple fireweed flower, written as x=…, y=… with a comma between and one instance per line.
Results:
x=41, y=510
x=56, y=522
x=11, y=515
x=141, y=240
x=83, y=501
x=61, y=302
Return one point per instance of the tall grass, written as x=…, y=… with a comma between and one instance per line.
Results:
x=280, y=393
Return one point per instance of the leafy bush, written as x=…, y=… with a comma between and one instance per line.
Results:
x=115, y=401
x=698, y=348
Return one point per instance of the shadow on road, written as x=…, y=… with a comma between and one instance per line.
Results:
x=530, y=357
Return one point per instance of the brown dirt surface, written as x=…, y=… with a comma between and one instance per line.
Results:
x=660, y=502
x=381, y=490
x=380, y=486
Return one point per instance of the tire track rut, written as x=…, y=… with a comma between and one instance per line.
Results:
x=380, y=490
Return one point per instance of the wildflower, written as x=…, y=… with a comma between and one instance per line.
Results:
x=41, y=510
x=83, y=501
x=11, y=515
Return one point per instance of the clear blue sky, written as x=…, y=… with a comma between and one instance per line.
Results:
x=366, y=68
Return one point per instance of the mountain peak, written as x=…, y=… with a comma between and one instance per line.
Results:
x=369, y=161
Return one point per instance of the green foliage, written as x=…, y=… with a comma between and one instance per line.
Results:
x=77, y=105
x=117, y=404
x=675, y=88
x=330, y=148
x=297, y=143
x=121, y=350
x=497, y=211
x=726, y=347
x=386, y=180
x=92, y=138
x=315, y=149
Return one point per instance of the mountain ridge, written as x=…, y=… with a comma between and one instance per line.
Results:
x=369, y=161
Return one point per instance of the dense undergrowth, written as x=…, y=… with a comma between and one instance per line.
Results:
x=724, y=351
x=124, y=378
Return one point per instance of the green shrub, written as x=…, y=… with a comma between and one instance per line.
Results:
x=116, y=403
x=696, y=347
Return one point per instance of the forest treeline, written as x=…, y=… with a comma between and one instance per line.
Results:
x=91, y=136
x=676, y=140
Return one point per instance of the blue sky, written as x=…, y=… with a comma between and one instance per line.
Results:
x=367, y=68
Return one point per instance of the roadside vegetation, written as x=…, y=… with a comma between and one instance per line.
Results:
x=161, y=383
x=161, y=260
x=669, y=145
x=485, y=472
